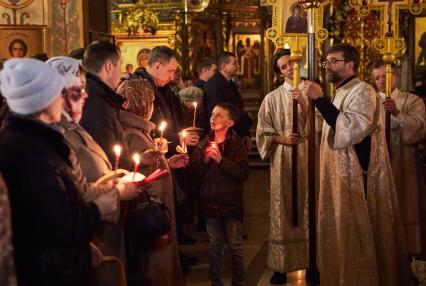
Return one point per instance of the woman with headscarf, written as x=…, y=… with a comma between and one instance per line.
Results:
x=163, y=264
x=52, y=226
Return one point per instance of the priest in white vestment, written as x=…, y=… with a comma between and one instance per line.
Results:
x=408, y=128
x=288, y=244
x=360, y=234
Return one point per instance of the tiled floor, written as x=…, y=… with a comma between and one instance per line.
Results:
x=256, y=201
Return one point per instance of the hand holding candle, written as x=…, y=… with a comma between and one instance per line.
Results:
x=159, y=141
x=212, y=151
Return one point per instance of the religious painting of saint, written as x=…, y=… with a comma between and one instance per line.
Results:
x=18, y=48
x=203, y=43
x=247, y=49
x=297, y=22
x=20, y=41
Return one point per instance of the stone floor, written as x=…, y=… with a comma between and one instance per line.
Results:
x=256, y=201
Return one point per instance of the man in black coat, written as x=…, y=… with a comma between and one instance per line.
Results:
x=205, y=69
x=220, y=88
x=162, y=64
x=102, y=61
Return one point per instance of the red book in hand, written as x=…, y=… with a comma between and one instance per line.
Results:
x=157, y=174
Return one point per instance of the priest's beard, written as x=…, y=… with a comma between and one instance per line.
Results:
x=333, y=77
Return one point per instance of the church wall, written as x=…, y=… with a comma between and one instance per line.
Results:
x=41, y=25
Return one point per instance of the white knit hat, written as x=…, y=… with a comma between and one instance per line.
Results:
x=29, y=85
x=69, y=68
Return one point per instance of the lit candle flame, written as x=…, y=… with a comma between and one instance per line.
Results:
x=136, y=158
x=117, y=150
x=162, y=126
x=183, y=144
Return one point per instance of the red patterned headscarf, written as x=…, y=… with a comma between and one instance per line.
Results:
x=139, y=96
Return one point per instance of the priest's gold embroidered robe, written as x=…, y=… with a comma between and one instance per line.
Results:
x=360, y=234
x=407, y=131
x=288, y=244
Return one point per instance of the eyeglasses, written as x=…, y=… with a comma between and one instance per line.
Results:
x=331, y=62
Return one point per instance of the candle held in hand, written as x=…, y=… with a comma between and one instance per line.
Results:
x=195, y=113
x=137, y=161
x=183, y=144
x=117, y=151
x=162, y=127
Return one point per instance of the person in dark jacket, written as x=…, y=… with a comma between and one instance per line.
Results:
x=52, y=226
x=162, y=64
x=94, y=164
x=205, y=69
x=219, y=168
x=102, y=61
x=161, y=68
x=220, y=88
x=153, y=266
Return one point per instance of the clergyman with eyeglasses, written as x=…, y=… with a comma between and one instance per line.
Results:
x=360, y=235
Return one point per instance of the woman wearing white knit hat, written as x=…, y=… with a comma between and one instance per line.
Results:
x=52, y=226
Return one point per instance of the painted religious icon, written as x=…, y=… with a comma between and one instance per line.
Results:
x=297, y=22
x=19, y=41
x=247, y=50
x=18, y=48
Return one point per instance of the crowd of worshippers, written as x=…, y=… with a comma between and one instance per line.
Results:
x=100, y=166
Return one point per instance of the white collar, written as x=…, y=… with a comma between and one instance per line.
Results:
x=394, y=93
x=289, y=87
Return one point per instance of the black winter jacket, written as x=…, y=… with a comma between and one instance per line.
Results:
x=167, y=107
x=100, y=118
x=220, y=186
x=51, y=225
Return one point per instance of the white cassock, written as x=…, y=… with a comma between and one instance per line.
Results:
x=360, y=236
x=408, y=129
x=288, y=244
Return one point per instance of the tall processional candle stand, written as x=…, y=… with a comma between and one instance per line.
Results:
x=295, y=57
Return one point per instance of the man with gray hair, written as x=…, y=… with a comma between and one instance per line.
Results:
x=162, y=64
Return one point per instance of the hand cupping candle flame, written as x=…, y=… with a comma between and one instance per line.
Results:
x=161, y=143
